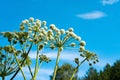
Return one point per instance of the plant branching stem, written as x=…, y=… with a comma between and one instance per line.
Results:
x=18, y=64
x=22, y=62
x=76, y=69
x=56, y=65
x=36, y=64
x=20, y=67
x=23, y=50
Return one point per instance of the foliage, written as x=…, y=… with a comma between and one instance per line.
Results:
x=108, y=73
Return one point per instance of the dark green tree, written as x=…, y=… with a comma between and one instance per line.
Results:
x=65, y=72
x=92, y=74
x=115, y=71
x=105, y=74
x=108, y=73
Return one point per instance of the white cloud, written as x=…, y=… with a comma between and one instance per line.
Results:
x=46, y=71
x=43, y=73
x=68, y=56
x=92, y=15
x=42, y=70
x=110, y=2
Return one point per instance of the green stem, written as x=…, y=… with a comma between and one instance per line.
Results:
x=23, y=50
x=5, y=61
x=20, y=68
x=27, y=63
x=30, y=70
x=3, y=77
x=56, y=65
x=39, y=66
x=36, y=64
x=76, y=69
x=18, y=64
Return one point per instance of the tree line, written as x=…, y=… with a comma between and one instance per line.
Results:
x=109, y=72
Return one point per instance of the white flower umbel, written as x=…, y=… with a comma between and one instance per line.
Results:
x=63, y=39
x=39, y=35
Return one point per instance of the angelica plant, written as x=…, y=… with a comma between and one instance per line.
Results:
x=60, y=39
x=34, y=32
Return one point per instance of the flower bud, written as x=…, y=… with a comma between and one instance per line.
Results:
x=52, y=46
x=44, y=23
x=73, y=44
x=67, y=32
x=41, y=47
x=45, y=43
x=31, y=19
x=45, y=27
x=71, y=34
x=58, y=33
x=62, y=31
x=52, y=26
x=82, y=43
x=82, y=55
x=81, y=49
x=76, y=60
x=90, y=64
x=23, y=22
x=22, y=28
x=70, y=29
x=50, y=32
x=61, y=49
x=78, y=38
x=38, y=24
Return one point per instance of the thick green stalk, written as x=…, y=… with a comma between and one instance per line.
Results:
x=56, y=65
x=20, y=67
x=76, y=69
x=36, y=64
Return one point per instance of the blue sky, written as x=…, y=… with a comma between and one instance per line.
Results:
x=96, y=21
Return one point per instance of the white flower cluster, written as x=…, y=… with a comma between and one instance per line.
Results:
x=62, y=38
x=53, y=36
x=37, y=29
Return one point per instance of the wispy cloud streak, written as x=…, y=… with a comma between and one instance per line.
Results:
x=109, y=2
x=64, y=55
x=92, y=15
